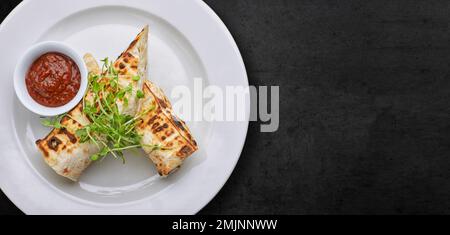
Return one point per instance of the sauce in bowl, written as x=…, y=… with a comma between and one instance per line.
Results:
x=53, y=80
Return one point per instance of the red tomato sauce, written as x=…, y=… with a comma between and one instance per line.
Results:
x=53, y=80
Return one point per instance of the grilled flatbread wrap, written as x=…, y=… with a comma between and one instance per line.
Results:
x=133, y=62
x=62, y=149
x=162, y=127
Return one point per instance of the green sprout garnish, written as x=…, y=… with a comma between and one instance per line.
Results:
x=140, y=94
x=136, y=78
x=54, y=122
x=110, y=130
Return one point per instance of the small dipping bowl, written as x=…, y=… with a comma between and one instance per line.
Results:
x=23, y=66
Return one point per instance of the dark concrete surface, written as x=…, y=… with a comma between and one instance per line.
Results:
x=365, y=107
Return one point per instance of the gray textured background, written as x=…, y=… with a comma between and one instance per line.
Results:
x=364, y=107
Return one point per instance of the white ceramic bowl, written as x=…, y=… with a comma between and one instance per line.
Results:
x=25, y=63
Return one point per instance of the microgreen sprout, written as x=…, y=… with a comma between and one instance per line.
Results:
x=54, y=122
x=110, y=130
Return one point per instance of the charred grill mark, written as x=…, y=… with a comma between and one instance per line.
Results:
x=69, y=135
x=65, y=119
x=122, y=66
x=44, y=150
x=179, y=126
x=178, y=123
x=77, y=124
x=155, y=125
x=159, y=129
x=186, y=150
x=89, y=118
x=121, y=54
x=126, y=60
x=128, y=54
x=169, y=133
x=133, y=43
x=53, y=143
x=162, y=103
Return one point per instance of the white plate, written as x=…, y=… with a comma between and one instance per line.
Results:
x=187, y=40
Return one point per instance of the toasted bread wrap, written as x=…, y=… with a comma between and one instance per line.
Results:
x=161, y=127
x=62, y=149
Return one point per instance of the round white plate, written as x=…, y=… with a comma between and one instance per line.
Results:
x=187, y=40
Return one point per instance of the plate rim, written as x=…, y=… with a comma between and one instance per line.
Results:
x=232, y=41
